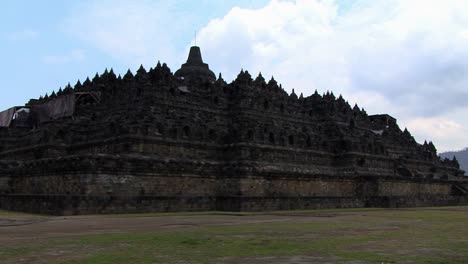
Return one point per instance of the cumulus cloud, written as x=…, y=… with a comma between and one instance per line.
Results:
x=406, y=58
x=445, y=132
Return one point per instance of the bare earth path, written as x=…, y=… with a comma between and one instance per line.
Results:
x=329, y=236
x=22, y=227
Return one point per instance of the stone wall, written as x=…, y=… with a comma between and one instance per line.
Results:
x=100, y=184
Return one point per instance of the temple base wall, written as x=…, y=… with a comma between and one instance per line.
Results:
x=79, y=205
x=303, y=203
x=121, y=191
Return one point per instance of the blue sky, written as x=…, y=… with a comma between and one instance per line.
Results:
x=39, y=54
x=408, y=58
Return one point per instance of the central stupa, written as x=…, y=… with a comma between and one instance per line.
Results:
x=195, y=68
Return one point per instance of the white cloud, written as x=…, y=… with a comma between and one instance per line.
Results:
x=408, y=58
x=444, y=132
x=73, y=56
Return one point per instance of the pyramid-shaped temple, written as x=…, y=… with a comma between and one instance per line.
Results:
x=156, y=141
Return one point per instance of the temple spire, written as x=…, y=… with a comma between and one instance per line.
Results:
x=195, y=58
x=195, y=68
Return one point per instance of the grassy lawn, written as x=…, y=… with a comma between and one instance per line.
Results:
x=426, y=235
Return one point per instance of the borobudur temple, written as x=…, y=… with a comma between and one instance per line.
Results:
x=158, y=141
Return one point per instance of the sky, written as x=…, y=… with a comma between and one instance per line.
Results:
x=406, y=58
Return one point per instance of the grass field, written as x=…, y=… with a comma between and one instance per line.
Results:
x=423, y=235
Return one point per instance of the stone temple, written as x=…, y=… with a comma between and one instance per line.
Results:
x=159, y=141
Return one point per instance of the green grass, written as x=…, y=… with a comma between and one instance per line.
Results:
x=433, y=236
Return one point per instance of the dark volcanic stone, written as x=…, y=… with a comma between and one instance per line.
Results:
x=154, y=141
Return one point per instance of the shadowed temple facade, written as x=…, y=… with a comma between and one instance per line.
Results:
x=159, y=141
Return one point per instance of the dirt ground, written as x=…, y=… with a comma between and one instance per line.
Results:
x=23, y=227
